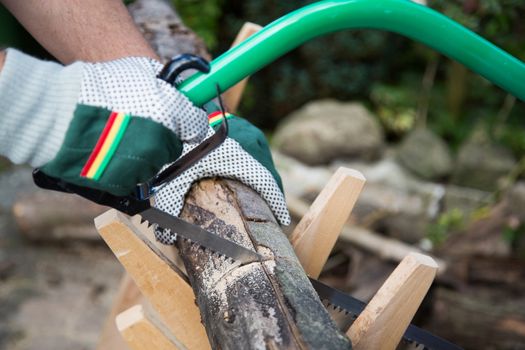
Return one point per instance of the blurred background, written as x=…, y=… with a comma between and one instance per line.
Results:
x=442, y=148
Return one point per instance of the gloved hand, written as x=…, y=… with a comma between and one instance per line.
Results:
x=244, y=156
x=158, y=116
x=106, y=125
x=112, y=125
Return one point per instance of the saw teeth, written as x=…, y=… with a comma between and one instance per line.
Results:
x=144, y=222
x=334, y=307
x=412, y=345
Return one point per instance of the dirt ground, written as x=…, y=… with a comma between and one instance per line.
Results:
x=52, y=296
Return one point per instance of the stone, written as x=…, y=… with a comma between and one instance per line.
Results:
x=465, y=199
x=400, y=214
x=392, y=201
x=515, y=197
x=325, y=130
x=482, y=165
x=299, y=179
x=425, y=154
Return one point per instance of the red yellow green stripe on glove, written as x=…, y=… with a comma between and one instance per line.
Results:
x=106, y=146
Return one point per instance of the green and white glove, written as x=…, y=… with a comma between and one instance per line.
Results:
x=110, y=126
x=244, y=156
x=105, y=125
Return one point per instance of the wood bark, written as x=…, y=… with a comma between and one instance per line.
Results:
x=262, y=305
x=164, y=30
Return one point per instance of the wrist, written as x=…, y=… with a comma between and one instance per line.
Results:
x=2, y=59
x=37, y=99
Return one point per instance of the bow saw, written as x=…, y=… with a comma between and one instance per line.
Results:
x=279, y=37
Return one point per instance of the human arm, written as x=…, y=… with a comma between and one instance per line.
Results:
x=81, y=30
x=2, y=59
x=121, y=171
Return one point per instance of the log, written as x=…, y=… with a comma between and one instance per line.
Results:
x=164, y=30
x=479, y=318
x=266, y=304
x=262, y=305
x=47, y=216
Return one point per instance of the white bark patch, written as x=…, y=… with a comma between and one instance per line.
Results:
x=263, y=327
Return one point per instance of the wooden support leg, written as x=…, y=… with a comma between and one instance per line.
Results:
x=159, y=280
x=315, y=235
x=232, y=97
x=141, y=330
x=386, y=317
x=128, y=294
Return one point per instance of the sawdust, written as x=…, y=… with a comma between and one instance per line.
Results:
x=263, y=326
x=218, y=279
x=224, y=209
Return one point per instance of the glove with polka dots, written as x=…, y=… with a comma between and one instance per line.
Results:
x=244, y=156
x=125, y=126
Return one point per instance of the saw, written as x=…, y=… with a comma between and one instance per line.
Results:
x=344, y=309
x=266, y=46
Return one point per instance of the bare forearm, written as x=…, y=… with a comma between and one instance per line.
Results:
x=2, y=59
x=87, y=30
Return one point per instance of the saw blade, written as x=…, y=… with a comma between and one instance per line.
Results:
x=344, y=309
x=200, y=236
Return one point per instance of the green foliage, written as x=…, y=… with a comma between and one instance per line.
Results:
x=203, y=16
x=395, y=107
x=454, y=221
x=12, y=34
x=448, y=222
x=512, y=234
x=514, y=138
x=5, y=164
x=499, y=21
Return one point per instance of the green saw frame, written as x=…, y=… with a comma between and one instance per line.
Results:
x=404, y=17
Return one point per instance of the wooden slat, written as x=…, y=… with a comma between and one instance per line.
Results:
x=386, y=317
x=159, y=280
x=128, y=294
x=143, y=331
x=317, y=232
x=233, y=95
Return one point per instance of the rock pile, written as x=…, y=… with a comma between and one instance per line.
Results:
x=326, y=130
